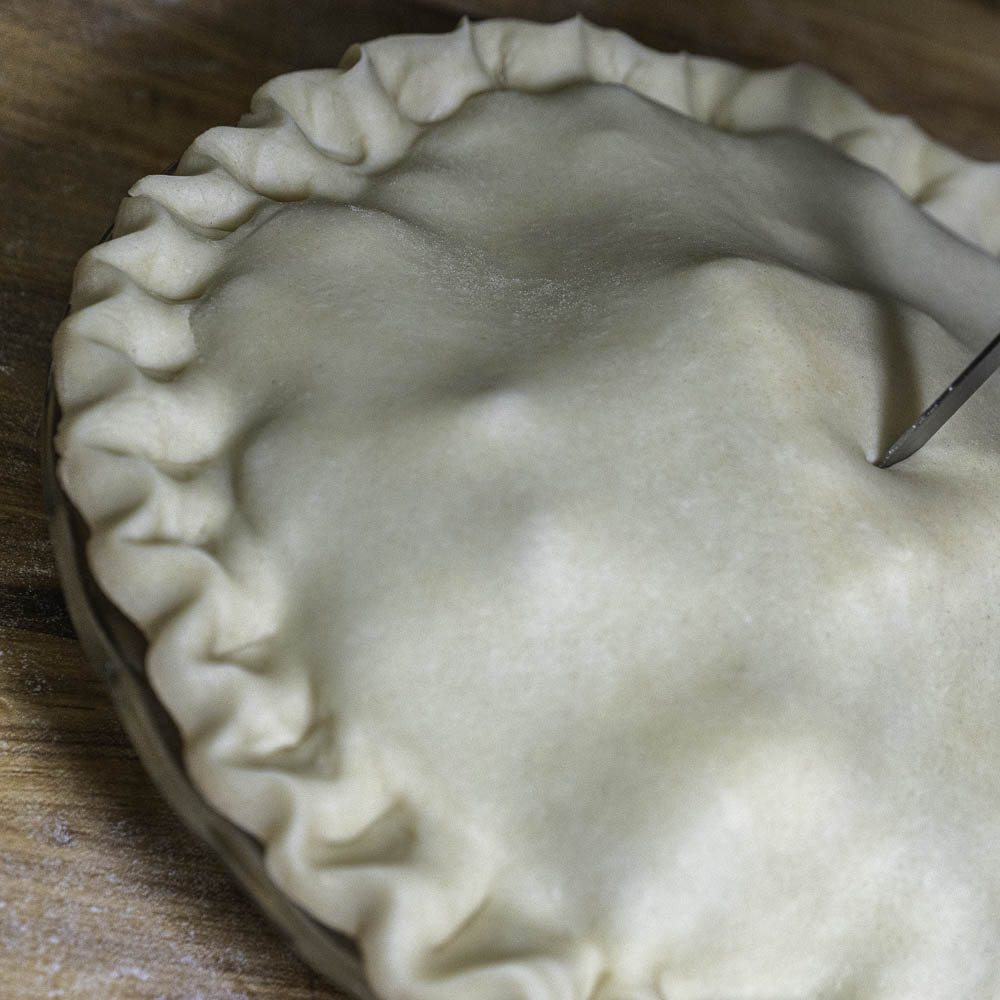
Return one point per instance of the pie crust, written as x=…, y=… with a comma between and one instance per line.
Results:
x=481, y=436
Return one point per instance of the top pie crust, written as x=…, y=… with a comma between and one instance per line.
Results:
x=481, y=434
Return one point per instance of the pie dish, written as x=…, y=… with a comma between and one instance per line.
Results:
x=480, y=436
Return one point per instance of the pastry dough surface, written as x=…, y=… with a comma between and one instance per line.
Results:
x=521, y=576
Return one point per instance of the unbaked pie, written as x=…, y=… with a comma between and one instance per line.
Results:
x=481, y=435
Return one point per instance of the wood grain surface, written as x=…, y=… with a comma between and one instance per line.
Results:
x=102, y=892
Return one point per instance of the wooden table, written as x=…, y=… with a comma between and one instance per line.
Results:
x=102, y=892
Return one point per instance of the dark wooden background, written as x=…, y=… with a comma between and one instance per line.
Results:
x=102, y=892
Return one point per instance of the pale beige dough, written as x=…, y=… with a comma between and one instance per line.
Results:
x=554, y=630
